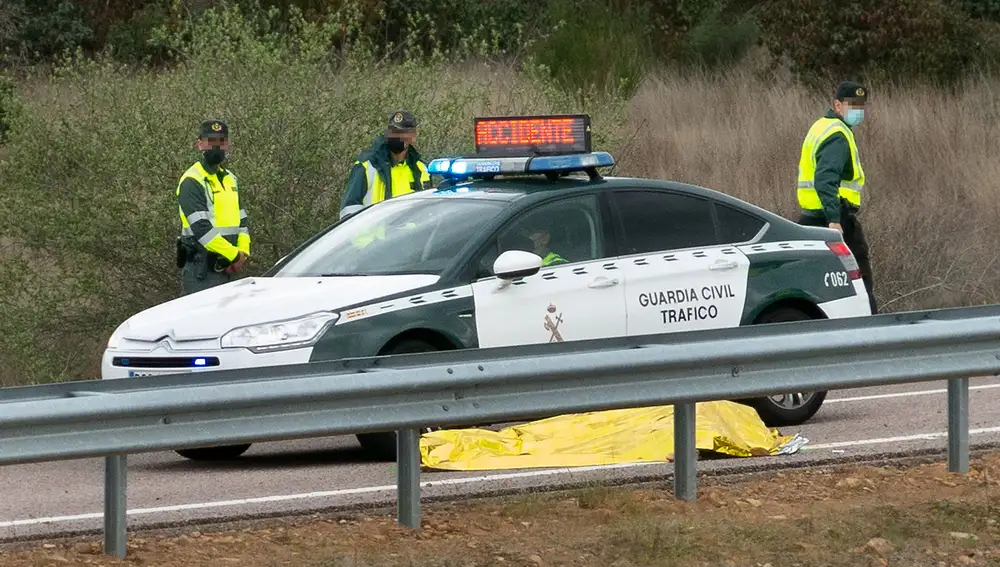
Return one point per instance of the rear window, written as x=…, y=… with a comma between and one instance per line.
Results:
x=735, y=225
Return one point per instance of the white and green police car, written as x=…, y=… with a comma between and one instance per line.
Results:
x=514, y=247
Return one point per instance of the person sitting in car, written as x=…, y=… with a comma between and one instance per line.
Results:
x=534, y=236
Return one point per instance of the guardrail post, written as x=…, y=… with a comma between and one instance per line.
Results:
x=958, y=425
x=685, y=452
x=408, y=477
x=114, y=505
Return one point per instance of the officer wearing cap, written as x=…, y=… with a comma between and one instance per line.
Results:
x=215, y=236
x=389, y=168
x=831, y=180
x=535, y=233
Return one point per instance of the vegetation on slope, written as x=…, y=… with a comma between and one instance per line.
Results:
x=100, y=104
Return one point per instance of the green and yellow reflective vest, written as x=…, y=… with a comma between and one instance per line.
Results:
x=211, y=212
x=401, y=180
x=553, y=258
x=848, y=189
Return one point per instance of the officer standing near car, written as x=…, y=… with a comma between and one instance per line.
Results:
x=831, y=179
x=389, y=168
x=215, y=237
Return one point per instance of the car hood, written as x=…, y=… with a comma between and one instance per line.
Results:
x=211, y=313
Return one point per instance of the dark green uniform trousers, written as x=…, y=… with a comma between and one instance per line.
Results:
x=192, y=282
x=854, y=237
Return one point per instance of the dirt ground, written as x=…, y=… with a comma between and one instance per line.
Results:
x=853, y=516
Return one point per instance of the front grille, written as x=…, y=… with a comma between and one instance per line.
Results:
x=165, y=361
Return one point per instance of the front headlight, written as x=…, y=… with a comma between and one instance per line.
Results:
x=280, y=335
x=115, y=339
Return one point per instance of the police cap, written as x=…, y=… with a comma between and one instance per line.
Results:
x=214, y=128
x=401, y=121
x=850, y=90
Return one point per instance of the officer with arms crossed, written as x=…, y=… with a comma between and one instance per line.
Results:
x=215, y=236
x=389, y=168
x=831, y=179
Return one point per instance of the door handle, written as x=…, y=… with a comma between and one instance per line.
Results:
x=723, y=265
x=602, y=282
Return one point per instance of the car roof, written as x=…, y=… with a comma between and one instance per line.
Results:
x=516, y=188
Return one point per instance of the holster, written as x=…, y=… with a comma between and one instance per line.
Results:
x=190, y=252
x=181, y=253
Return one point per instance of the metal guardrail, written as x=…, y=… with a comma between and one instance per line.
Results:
x=115, y=418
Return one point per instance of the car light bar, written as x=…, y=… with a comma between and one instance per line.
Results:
x=489, y=166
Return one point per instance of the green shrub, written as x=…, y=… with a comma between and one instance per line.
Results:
x=49, y=28
x=981, y=9
x=904, y=40
x=130, y=40
x=717, y=39
x=7, y=106
x=93, y=241
x=456, y=27
x=595, y=46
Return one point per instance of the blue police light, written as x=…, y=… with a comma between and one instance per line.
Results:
x=481, y=167
x=572, y=162
x=439, y=167
x=200, y=362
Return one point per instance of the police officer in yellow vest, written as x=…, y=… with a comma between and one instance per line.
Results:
x=831, y=180
x=539, y=236
x=389, y=168
x=215, y=235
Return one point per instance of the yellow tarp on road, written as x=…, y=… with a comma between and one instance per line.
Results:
x=605, y=437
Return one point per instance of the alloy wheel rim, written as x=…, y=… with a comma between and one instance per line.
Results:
x=791, y=401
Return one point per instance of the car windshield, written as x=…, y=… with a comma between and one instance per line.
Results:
x=405, y=236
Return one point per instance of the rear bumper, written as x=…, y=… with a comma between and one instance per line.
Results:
x=855, y=306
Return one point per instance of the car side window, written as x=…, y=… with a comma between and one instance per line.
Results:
x=662, y=220
x=735, y=225
x=564, y=231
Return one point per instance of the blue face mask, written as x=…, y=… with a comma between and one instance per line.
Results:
x=854, y=116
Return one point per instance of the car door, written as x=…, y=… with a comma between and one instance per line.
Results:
x=583, y=298
x=679, y=276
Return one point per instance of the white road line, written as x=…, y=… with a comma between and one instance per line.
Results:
x=511, y=476
x=900, y=439
x=904, y=394
x=330, y=493
x=454, y=481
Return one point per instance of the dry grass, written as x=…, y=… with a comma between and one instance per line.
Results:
x=857, y=516
x=932, y=171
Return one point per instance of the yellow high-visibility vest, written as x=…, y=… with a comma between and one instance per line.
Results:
x=402, y=181
x=848, y=189
x=222, y=209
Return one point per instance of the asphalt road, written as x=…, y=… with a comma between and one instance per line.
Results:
x=317, y=474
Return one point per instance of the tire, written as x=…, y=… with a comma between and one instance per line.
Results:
x=382, y=444
x=786, y=409
x=222, y=453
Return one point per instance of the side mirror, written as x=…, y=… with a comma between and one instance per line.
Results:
x=517, y=264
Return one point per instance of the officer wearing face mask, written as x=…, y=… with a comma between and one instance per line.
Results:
x=215, y=237
x=389, y=168
x=831, y=179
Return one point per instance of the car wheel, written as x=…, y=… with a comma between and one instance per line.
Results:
x=792, y=408
x=222, y=453
x=382, y=444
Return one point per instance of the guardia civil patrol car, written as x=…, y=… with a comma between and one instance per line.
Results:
x=523, y=242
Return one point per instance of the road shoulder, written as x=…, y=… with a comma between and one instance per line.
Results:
x=836, y=515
